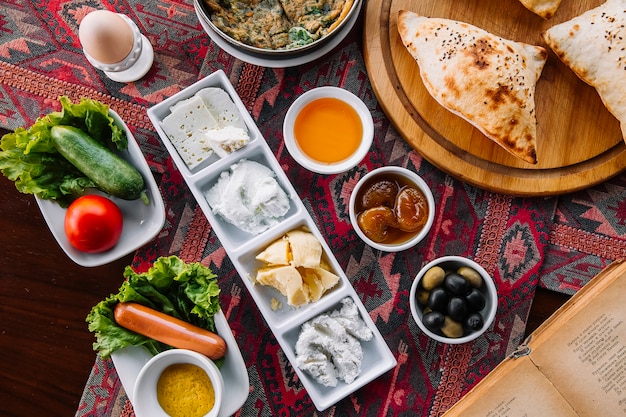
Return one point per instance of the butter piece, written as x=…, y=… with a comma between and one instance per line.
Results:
x=306, y=249
x=287, y=280
x=327, y=279
x=294, y=266
x=277, y=253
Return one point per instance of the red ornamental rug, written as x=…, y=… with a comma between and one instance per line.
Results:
x=559, y=242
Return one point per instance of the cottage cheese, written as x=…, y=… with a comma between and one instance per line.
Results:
x=329, y=346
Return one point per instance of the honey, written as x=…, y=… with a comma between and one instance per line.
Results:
x=328, y=130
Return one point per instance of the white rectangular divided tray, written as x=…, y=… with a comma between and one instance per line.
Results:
x=243, y=247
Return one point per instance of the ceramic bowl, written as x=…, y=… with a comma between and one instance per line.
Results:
x=322, y=167
x=488, y=290
x=145, y=392
x=204, y=14
x=401, y=175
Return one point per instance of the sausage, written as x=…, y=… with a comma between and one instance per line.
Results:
x=169, y=330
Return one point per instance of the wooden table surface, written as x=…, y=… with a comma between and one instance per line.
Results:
x=45, y=347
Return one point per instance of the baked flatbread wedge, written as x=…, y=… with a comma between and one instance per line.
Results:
x=543, y=8
x=593, y=45
x=487, y=80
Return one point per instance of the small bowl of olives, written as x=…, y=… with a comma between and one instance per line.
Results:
x=453, y=300
x=392, y=209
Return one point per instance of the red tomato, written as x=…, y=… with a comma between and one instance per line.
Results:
x=93, y=223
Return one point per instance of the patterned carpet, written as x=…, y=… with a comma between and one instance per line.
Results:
x=558, y=243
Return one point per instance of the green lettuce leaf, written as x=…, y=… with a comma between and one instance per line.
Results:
x=188, y=291
x=28, y=156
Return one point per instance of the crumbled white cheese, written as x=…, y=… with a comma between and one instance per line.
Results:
x=329, y=347
x=249, y=197
x=227, y=140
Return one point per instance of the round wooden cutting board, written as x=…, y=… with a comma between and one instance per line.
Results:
x=579, y=143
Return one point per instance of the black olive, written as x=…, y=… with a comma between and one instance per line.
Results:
x=457, y=309
x=456, y=284
x=438, y=299
x=433, y=320
x=475, y=300
x=474, y=322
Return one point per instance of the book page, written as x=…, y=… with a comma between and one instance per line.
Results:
x=585, y=356
x=516, y=388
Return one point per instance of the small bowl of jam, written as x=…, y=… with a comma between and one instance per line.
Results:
x=392, y=209
x=328, y=130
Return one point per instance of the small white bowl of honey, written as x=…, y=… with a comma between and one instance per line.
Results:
x=328, y=130
x=178, y=382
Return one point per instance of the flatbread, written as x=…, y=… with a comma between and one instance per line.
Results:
x=593, y=46
x=487, y=80
x=543, y=8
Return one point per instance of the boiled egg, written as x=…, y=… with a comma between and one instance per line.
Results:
x=105, y=36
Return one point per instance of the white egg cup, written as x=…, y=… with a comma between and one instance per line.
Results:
x=136, y=64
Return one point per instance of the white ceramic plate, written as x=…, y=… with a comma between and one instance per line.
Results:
x=141, y=222
x=129, y=361
x=284, y=62
x=242, y=248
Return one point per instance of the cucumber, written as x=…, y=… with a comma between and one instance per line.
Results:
x=108, y=171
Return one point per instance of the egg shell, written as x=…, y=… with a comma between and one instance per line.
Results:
x=105, y=36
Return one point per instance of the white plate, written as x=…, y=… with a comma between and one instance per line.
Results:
x=141, y=222
x=243, y=247
x=290, y=61
x=129, y=361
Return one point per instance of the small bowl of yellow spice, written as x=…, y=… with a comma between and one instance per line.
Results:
x=176, y=383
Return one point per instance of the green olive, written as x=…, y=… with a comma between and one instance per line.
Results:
x=471, y=275
x=433, y=278
x=422, y=296
x=451, y=328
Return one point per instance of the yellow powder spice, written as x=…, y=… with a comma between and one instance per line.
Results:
x=185, y=390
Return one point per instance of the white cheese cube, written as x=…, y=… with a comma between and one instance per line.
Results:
x=222, y=107
x=186, y=127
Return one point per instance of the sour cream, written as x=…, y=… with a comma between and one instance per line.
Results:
x=249, y=197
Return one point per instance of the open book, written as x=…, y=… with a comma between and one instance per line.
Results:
x=573, y=365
